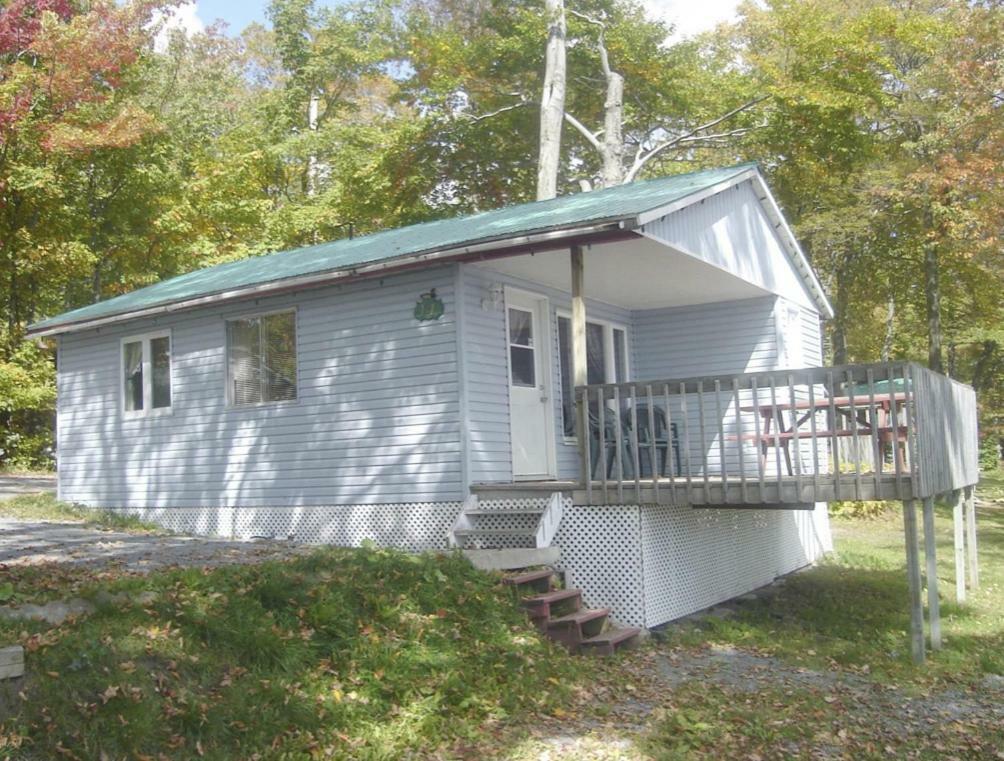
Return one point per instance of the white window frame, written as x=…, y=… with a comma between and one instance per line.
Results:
x=228, y=386
x=143, y=339
x=609, y=369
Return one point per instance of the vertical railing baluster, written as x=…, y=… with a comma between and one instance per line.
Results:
x=719, y=415
x=704, y=441
x=851, y=405
x=602, y=457
x=813, y=433
x=739, y=441
x=834, y=426
x=653, y=458
x=877, y=452
x=897, y=464
x=635, y=445
x=619, y=444
x=761, y=449
x=778, y=420
x=794, y=443
x=685, y=414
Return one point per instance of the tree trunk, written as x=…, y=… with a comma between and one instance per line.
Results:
x=890, y=318
x=932, y=290
x=613, y=137
x=552, y=102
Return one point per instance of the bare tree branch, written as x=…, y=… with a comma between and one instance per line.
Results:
x=496, y=112
x=688, y=137
x=582, y=128
x=600, y=44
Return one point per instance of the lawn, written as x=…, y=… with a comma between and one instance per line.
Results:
x=361, y=654
x=375, y=654
x=44, y=506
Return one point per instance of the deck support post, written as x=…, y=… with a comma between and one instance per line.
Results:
x=974, y=563
x=930, y=553
x=579, y=367
x=913, y=576
x=958, y=524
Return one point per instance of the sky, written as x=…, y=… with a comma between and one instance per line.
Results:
x=689, y=17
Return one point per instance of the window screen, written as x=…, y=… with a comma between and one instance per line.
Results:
x=262, y=358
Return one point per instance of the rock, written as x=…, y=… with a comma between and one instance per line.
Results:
x=993, y=682
x=53, y=613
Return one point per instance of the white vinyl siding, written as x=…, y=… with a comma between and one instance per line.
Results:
x=376, y=419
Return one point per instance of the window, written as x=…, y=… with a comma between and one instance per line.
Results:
x=522, y=362
x=146, y=374
x=606, y=362
x=261, y=359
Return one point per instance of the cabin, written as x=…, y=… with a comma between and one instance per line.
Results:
x=626, y=385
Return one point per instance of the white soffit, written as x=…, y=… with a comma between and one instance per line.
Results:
x=633, y=274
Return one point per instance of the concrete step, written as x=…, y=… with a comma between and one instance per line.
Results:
x=570, y=630
x=476, y=532
x=515, y=511
x=512, y=558
x=610, y=641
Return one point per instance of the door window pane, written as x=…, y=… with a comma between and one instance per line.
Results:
x=160, y=361
x=567, y=390
x=132, y=355
x=520, y=327
x=596, y=354
x=597, y=369
x=521, y=361
x=620, y=356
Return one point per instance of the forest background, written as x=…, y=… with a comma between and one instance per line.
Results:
x=129, y=154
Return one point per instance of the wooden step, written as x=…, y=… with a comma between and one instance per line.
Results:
x=538, y=581
x=515, y=511
x=540, y=607
x=570, y=630
x=608, y=642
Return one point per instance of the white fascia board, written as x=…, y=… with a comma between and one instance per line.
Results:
x=798, y=258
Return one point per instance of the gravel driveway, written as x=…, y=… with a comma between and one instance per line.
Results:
x=70, y=544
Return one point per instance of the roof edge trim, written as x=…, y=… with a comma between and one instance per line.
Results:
x=319, y=278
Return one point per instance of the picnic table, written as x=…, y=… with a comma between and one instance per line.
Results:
x=871, y=414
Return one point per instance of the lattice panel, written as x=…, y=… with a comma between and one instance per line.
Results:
x=601, y=555
x=694, y=559
x=413, y=526
x=517, y=503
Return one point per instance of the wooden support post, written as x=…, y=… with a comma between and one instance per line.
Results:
x=930, y=553
x=974, y=563
x=913, y=576
x=958, y=524
x=579, y=367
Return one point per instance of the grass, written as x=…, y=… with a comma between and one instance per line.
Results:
x=44, y=506
x=851, y=610
x=362, y=654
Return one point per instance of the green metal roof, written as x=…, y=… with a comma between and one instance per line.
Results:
x=624, y=202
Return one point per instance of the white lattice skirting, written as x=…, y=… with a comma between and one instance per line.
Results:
x=414, y=526
x=648, y=564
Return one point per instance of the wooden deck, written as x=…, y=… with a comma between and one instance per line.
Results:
x=786, y=493
x=783, y=439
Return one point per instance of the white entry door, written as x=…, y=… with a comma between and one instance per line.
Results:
x=531, y=407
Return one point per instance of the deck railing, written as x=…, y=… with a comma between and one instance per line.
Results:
x=884, y=431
